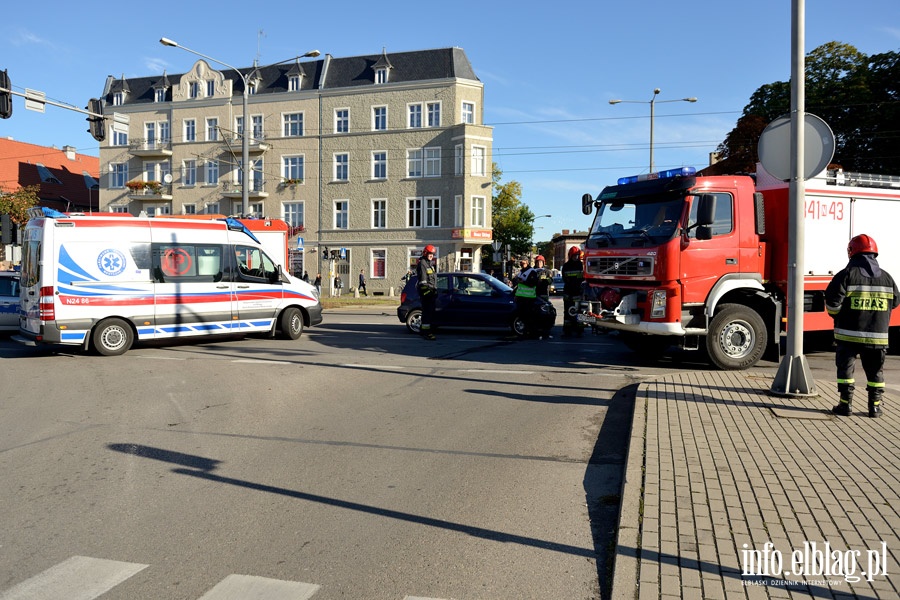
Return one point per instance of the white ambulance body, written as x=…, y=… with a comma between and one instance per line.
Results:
x=104, y=281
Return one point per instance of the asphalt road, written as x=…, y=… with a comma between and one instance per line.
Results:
x=357, y=462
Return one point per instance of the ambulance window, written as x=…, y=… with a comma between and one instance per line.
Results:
x=187, y=262
x=724, y=218
x=140, y=254
x=253, y=262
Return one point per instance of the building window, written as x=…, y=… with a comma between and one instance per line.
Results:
x=160, y=94
x=381, y=75
x=190, y=130
x=341, y=167
x=479, y=162
x=238, y=127
x=212, y=129
x=414, y=163
x=119, y=209
x=434, y=114
x=119, y=138
x=379, y=262
x=379, y=118
x=118, y=99
x=156, y=171
x=212, y=208
x=189, y=172
x=459, y=161
x=118, y=175
x=210, y=88
x=194, y=89
x=294, y=83
x=458, y=211
x=256, y=210
x=293, y=125
x=379, y=213
x=341, y=214
x=433, y=212
x=164, y=135
x=292, y=213
x=189, y=209
x=292, y=169
x=415, y=116
x=413, y=212
x=468, y=113
x=478, y=211
x=379, y=165
x=159, y=209
x=432, y=162
x=212, y=171
x=256, y=122
x=342, y=120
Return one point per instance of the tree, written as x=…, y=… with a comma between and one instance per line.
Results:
x=856, y=95
x=16, y=204
x=513, y=221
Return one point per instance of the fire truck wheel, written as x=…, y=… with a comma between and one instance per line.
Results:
x=736, y=338
x=414, y=321
x=291, y=324
x=112, y=337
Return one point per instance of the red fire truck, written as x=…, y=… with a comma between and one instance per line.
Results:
x=676, y=259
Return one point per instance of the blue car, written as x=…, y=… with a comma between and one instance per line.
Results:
x=469, y=300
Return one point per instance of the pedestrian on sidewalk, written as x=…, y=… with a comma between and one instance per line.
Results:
x=318, y=284
x=362, y=283
x=860, y=298
x=427, y=288
x=338, y=285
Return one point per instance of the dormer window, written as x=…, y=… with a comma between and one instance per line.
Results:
x=45, y=174
x=195, y=89
x=381, y=75
x=210, y=88
x=160, y=94
x=118, y=99
x=294, y=83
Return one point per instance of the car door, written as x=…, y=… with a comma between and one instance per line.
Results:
x=258, y=290
x=476, y=303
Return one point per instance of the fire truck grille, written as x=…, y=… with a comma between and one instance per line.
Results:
x=620, y=265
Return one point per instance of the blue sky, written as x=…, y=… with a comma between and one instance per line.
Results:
x=549, y=70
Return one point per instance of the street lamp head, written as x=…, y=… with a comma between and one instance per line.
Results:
x=656, y=91
x=311, y=54
x=614, y=101
x=167, y=42
x=691, y=99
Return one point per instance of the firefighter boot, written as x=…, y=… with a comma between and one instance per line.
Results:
x=842, y=409
x=875, y=402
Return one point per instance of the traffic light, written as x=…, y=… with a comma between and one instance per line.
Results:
x=97, y=123
x=325, y=253
x=8, y=230
x=5, y=97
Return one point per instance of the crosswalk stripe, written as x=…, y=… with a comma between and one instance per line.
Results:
x=77, y=578
x=250, y=587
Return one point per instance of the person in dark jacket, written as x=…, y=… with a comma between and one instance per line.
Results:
x=362, y=283
x=573, y=276
x=427, y=288
x=530, y=284
x=860, y=298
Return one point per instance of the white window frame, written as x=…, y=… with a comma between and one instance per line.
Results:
x=379, y=164
x=189, y=127
x=118, y=175
x=211, y=171
x=381, y=75
x=459, y=160
x=212, y=208
x=159, y=95
x=433, y=114
x=189, y=209
x=189, y=172
x=292, y=124
x=478, y=213
x=414, y=164
x=342, y=120
x=194, y=89
x=432, y=211
x=119, y=138
x=379, y=213
x=210, y=87
x=379, y=121
x=293, y=213
x=414, y=213
x=294, y=83
x=212, y=129
x=257, y=127
x=414, y=116
x=341, y=213
x=432, y=157
x=293, y=166
x=341, y=171
x=118, y=99
x=378, y=256
x=468, y=113
x=479, y=161
x=459, y=211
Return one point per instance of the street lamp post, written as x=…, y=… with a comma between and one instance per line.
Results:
x=245, y=140
x=652, y=103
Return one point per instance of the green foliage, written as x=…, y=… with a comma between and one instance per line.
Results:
x=513, y=221
x=16, y=204
x=857, y=95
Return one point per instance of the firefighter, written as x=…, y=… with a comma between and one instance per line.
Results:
x=427, y=287
x=531, y=283
x=573, y=277
x=860, y=298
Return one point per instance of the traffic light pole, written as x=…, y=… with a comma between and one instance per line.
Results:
x=52, y=103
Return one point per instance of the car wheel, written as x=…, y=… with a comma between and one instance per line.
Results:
x=736, y=338
x=112, y=337
x=414, y=320
x=291, y=323
x=518, y=326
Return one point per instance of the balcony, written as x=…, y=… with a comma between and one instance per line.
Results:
x=257, y=144
x=149, y=190
x=233, y=190
x=150, y=148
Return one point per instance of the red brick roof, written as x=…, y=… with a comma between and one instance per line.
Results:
x=18, y=168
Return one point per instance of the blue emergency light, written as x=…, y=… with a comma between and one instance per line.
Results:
x=669, y=174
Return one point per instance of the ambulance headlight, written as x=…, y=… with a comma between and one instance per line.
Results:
x=658, y=304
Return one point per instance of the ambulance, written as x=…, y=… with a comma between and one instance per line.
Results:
x=101, y=282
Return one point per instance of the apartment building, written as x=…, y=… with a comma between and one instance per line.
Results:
x=368, y=158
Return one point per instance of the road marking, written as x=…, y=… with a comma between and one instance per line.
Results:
x=78, y=578
x=258, y=361
x=250, y=587
x=501, y=371
x=376, y=367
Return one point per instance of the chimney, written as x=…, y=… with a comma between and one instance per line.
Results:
x=70, y=152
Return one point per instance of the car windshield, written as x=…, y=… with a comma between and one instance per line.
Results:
x=498, y=284
x=643, y=221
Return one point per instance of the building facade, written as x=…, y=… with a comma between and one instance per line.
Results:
x=367, y=158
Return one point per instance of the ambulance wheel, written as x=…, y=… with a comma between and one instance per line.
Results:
x=112, y=337
x=414, y=321
x=736, y=338
x=291, y=323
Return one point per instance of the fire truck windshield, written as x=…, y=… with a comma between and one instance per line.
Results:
x=643, y=221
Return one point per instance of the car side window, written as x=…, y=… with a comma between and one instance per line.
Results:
x=724, y=217
x=443, y=284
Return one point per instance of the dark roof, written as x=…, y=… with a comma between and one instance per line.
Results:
x=418, y=65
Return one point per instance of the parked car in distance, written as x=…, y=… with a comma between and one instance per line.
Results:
x=556, y=286
x=467, y=300
x=9, y=301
